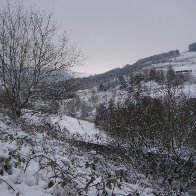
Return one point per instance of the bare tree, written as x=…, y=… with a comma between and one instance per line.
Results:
x=31, y=51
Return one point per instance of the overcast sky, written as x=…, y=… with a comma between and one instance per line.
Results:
x=112, y=33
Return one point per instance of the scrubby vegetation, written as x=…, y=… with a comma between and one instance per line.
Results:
x=156, y=134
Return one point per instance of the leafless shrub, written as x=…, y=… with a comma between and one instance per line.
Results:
x=157, y=136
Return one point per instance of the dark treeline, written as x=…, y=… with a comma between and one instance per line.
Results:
x=159, y=58
x=192, y=47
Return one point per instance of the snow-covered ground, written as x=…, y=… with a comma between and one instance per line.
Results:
x=33, y=162
x=73, y=127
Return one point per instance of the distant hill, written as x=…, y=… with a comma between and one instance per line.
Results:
x=91, y=81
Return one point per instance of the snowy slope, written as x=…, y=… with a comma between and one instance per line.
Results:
x=186, y=61
x=43, y=140
x=74, y=127
x=33, y=162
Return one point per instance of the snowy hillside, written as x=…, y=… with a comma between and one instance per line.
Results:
x=54, y=148
x=186, y=61
x=87, y=100
x=36, y=159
